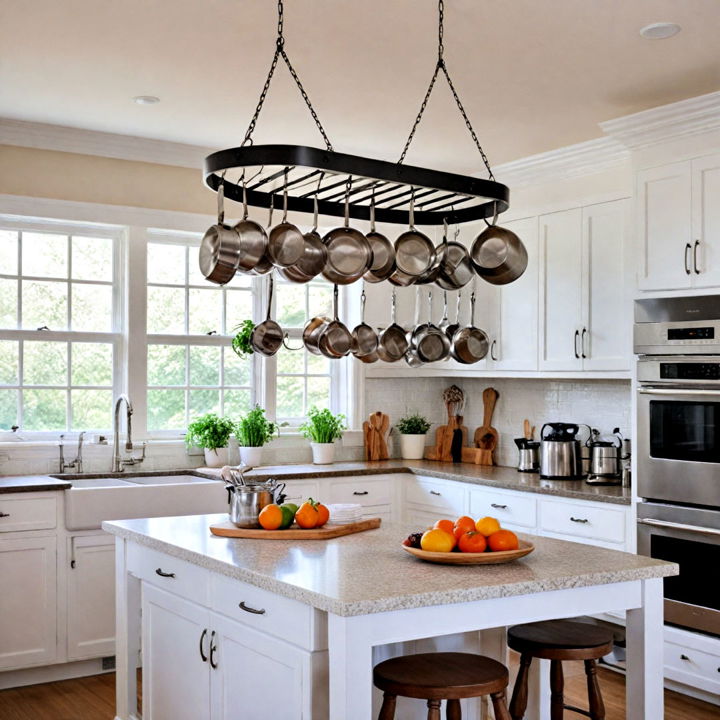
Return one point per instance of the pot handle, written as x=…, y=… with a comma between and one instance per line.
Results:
x=542, y=430
x=278, y=494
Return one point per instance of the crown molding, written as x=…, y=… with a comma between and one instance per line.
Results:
x=661, y=124
x=92, y=142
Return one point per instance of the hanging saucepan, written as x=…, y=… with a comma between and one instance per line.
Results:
x=411, y=355
x=267, y=337
x=383, y=260
x=431, y=343
x=457, y=270
x=441, y=251
x=365, y=339
x=220, y=247
x=470, y=344
x=369, y=358
x=264, y=265
x=349, y=253
x=451, y=328
x=498, y=255
x=392, y=343
x=335, y=339
x=253, y=239
x=414, y=252
x=285, y=242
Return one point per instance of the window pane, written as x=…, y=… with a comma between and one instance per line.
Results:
x=8, y=252
x=166, y=310
x=44, y=409
x=92, y=308
x=238, y=308
x=205, y=365
x=166, y=365
x=44, y=304
x=290, y=397
x=237, y=403
x=195, y=277
x=318, y=391
x=237, y=371
x=289, y=362
x=166, y=409
x=8, y=409
x=204, y=401
x=317, y=364
x=290, y=305
x=166, y=263
x=92, y=258
x=91, y=409
x=92, y=364
x=320, y=300
x=8, y=362
x=45, y=363
x=205, y=311
x=44, y=255
x=8, y=303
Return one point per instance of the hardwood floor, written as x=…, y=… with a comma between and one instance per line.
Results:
x=93, y=698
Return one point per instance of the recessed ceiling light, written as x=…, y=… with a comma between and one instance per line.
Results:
x=146, y=99
x=660, y=30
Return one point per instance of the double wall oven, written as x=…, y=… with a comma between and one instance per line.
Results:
x=677, y=341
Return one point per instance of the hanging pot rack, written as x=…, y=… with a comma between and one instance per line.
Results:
x=267, y=171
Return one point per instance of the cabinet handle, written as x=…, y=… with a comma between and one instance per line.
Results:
x=202, y=640
x=252, y=610
x=435, y=492
x=575, y=341
x=582, y=343
x=213, y=649
x=3, y=514
x=684, y=657
x=360, y=492
x=164, y=574
x=695, y=257
x=493, y=356
x=579, y=520
x=498, y=507
x=688, y=247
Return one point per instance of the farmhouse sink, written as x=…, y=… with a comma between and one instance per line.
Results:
x=120, y=496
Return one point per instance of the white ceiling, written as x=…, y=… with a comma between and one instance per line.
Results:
x=533, y=75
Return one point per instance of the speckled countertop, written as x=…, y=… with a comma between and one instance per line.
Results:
x=368, y=572
x=31, y=483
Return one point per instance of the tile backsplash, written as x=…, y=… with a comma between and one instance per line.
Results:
x=602, y=404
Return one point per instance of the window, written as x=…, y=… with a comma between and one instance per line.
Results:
x=58, y=321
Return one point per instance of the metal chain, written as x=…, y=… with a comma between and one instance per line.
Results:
x=440, y=65
x=280, y=53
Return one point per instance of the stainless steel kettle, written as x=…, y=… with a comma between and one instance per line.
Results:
x=605, y=457
x=560, y=457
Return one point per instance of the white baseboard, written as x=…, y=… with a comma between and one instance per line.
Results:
x=51, y=673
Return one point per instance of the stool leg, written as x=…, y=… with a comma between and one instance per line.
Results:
x=387, y=711
x=519, y=701
x=433, y=709
x=499, y=702
x=556, y=690
x=597, y=707
x=453, y=711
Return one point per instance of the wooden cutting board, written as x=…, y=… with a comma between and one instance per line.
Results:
x=326, y=532
x=375, y=434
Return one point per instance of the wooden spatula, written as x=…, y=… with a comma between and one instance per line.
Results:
x=486, y=436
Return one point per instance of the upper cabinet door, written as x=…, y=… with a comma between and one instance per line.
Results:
x=605, y=337
x=663, y=199
x=560, y=290
x=517, y=346
x=706, y=221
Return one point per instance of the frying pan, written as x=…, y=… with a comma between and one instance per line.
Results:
x=365, y=339
x=498, y=255
x=335, y=340
x=470, y=344
x=220, y=247
x=253, y=239
x=392, y=343
x=383, y=252
x=267, y=337
x=414, y=251
x=285, y=242
x=312, y=261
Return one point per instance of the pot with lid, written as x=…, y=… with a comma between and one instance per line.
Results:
x=248, y=498
x=560, y=452
x=605, y=457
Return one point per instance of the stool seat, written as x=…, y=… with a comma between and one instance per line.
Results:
x=560, y=640
x=443, y=676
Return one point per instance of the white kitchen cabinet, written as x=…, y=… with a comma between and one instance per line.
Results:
x=706, y=221
x=28, y=601
x=297, y=491
x=515, y=511
x=91, y=596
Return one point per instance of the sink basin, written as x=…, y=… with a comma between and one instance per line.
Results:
x=168, y=479
x=99, y=483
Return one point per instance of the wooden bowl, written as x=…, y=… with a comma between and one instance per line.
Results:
x=483, y=558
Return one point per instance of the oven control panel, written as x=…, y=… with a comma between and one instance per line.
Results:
x=690, y=371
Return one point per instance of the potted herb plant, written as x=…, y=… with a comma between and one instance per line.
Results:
x=252, y=432
x=413, y=431
x=322, y=429
x=211, y=433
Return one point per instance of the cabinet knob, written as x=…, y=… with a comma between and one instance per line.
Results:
x=579, y=520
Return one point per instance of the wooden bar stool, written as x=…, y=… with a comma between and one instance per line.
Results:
x=442, y=676
x=558, y=640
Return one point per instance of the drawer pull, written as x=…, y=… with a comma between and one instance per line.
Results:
x=579, y=520
x=202, y=640
x=498, y=507
x=213, y=650
x=164, y=574
x=2, y=514
x=684, y=657
x=252, y=610
x=435, y=492
x=360, y=492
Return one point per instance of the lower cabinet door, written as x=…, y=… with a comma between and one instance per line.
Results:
x=176, y=642
x=91, y=596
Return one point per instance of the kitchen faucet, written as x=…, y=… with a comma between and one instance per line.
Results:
x=77, y=463
x=118, y=464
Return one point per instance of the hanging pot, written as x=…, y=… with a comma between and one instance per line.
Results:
x=335, y=340
x=457, y=270
x=470, y=344
x=312, y=331
x=383, y=252
x=498, y=255
x=267, y=337
x=253, y=239
x=451, y=328
x=285, y=242
x=392, y=343
x=433, y=274
x=411, y=354
x=264, y=264
x=414, y=251
x=220, y=247
x=365, y=339
x=431, y=343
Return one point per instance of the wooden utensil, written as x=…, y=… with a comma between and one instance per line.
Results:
x=227, y=529
x=375, y=431
x=486, y=437
x=526, y=429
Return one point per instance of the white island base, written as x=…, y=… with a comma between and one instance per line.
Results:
x=236, y=629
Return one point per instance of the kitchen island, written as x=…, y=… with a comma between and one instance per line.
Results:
x=225, y=621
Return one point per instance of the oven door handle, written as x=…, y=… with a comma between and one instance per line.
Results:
x=649, y=390
x=679, y=526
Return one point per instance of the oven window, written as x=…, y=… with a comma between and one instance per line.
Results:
x=684, y=430
x=697, y=561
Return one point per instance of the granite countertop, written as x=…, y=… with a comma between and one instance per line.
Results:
x=491, y=476
x=368, y=572
x=31, y=483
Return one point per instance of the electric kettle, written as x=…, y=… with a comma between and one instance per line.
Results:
x=605, y=457
x=560, y=457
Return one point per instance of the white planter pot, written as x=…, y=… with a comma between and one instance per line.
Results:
x=216, y=458
x=323, y=453
x=251, y=455
x=412, y=447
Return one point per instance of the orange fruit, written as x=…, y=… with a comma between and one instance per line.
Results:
x=307, y=515
x=487, y=526
x=462, y=525
x=446, y=525
x=323, y=515
x=437, y=540
x=271, y=517
x=472, y=541
x=503, y=540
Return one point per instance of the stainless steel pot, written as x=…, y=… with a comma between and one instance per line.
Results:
x=560, y=452
x=253, y=239
x=313, y=259
x=246, y=501
x=431, y=343
x=392, y=343
x=383, y=252
x=470, y=344
x=335, y=339
x=414, y=251
x=285, y=242
x=267, y=337
x=220, y=247
x=498, y=255
x=365, y=339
